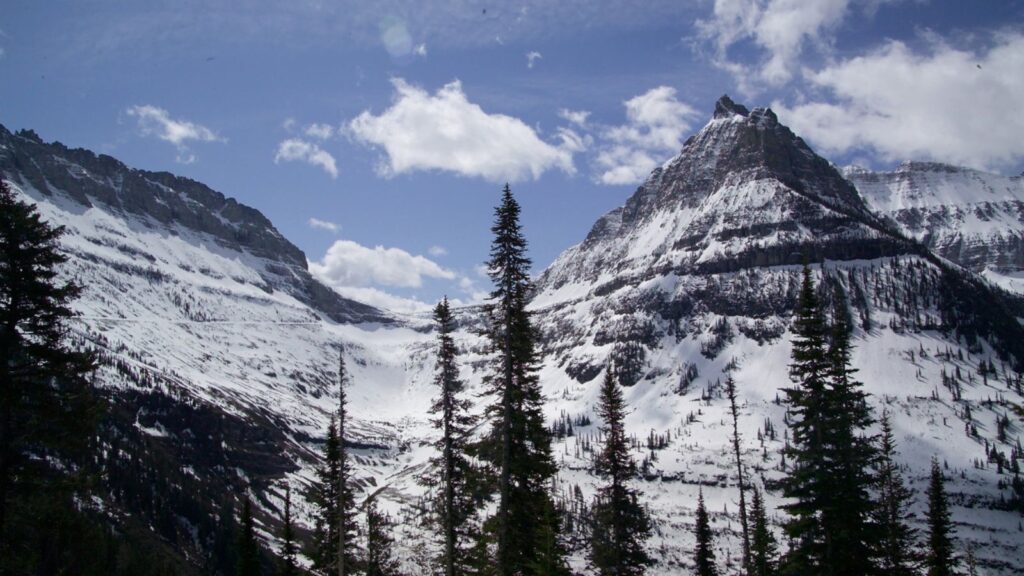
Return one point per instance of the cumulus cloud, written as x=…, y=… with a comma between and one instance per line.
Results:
x=943, y=103
x=656, y=124
x=780, y=29
x=349, y=263
x=532, y=57
x=298, y=150
x=385, y=300
x=445, y=131
x=155, y=121
x=324, y=225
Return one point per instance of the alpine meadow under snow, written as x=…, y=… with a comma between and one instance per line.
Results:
x=218, y=350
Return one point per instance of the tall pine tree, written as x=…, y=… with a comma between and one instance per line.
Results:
x=525, y=527
x=380, y=556
x=325, y=499
x=289, y=566
x=809, y=481
x=939, y=559
x=46, y=405
x=763, y=549
x=248, y=551
x=335, y=502
x=850, y=454
x=704, y=552
x=830, y=523
x=730, y=391
x=896, y=538
x=620, y=524
x=455, y=504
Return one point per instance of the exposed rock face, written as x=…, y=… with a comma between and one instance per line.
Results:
x=164, y=201
x=973, y=218
x=744, y=191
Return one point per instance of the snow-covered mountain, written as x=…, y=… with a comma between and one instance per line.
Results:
x=220, y=349
x=695, y=278
x=973, y=218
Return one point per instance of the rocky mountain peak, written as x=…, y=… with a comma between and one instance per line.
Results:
x=726, y=108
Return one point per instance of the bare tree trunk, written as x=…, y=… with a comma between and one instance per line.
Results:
x=730, y=388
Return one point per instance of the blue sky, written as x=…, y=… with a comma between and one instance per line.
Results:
x=377, y=135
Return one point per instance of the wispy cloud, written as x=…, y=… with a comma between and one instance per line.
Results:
x=155, y=121
x=532, y=57
x=437, y=251
x=445, y=131
x=575, y=117
x=779, y=29
x=320, y=131
x=298, y=150
x=324, y=225
x=656, y=124
x=942, y=103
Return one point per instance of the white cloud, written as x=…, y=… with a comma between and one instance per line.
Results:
x=577, y=117
x=297, y=150
x=349, y=263
x=780, y=29
x=437, y=251
x=324, y=225
x=445, y=131
x=943, y=103
x=386, y=300
x=532, y=57
x=154, y=121
x=420, y=50
x=320, y=131
x=656, y=124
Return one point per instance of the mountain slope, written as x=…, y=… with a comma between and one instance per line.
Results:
x=217, y=347
x=971, y=217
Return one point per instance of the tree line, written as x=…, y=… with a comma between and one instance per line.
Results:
x=846, y=506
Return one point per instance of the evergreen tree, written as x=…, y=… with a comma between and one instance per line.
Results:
x=896, y=537
x=248, y=550
x=620, y=524
x=704, y=553
x=456, y=502
x=47, y=411
x=808, y=482
x=730, y=391
x=325, y=499
x=830, y=523
x=763, y=549
x=939, y=559
x=346, y=508
x=380, y=558
x=850, y=456
x=289, y=566
x=335, y=503
x=518, y=445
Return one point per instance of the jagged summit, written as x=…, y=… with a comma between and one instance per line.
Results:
x=743, y=190
x=726, y=108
